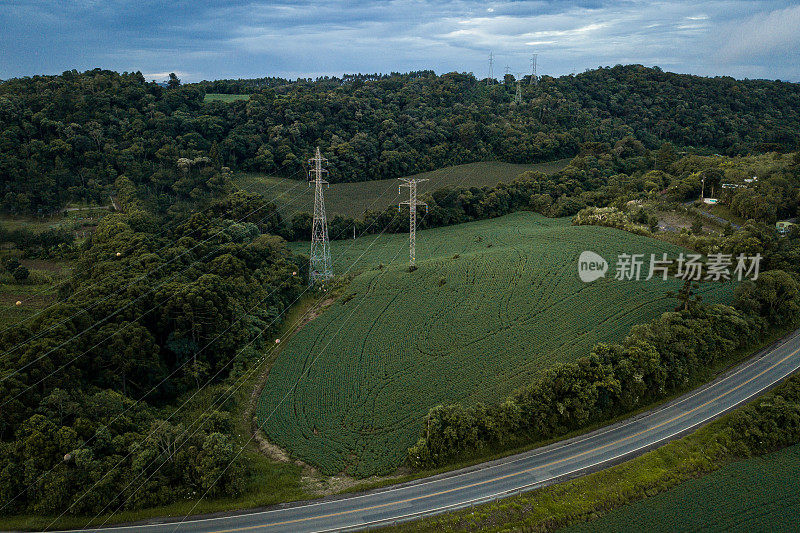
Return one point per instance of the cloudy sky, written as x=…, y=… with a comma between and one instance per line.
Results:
x=203, y=39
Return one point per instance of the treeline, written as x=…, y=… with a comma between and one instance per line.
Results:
x=88, y=385
x=765, y=424
x=240, y=86
x=655, y=360
x=254, y=85
x=69, y=137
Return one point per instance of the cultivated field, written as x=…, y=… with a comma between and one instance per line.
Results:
x=758, y=494
x=216, y=97
x=354, y=198
x=492, y=304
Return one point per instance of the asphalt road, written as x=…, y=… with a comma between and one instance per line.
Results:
x=511, y=475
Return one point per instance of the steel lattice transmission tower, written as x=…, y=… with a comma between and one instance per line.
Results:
x=491, y=69
x=412, y=203
x=534, y=77
x=518, y=95
x=319, y=268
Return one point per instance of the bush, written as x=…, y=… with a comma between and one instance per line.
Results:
x=21, y=273
x=12, y=264
x=637, y=223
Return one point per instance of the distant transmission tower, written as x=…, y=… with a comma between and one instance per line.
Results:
x=518, y=95
x=506, y=73
x=491, y=69
x=412, y=203
x=319, y=268
x=534, y=77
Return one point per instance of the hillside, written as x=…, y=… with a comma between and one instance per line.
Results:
x=72, y=137
x=492, y=304
x=352, y=199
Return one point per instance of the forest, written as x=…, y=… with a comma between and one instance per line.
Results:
x=70, y=137
x=149, y=315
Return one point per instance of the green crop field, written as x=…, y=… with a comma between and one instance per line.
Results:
x=348, y=392
x=758, y=494
x=353, y=199
x=216, y=97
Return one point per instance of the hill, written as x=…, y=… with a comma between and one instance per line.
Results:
x=73, y=137
x=352, y=199
x=492, y=304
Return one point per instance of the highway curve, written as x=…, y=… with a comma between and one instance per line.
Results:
x=521, y=472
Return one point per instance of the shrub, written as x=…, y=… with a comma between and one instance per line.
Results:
x=21, y=273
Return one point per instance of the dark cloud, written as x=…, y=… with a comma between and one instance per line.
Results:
x=203, y=39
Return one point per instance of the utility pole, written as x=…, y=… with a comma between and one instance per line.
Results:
x=319, y=268
x=534, y=77
x=412, y=203
x=491, y=69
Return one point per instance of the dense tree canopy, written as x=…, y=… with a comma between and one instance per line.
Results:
x=71, y=136
x=147, y=317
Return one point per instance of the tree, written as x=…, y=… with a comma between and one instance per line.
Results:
x=221, y=472
x=174, y=82
x=775, y=295
x=687, y=295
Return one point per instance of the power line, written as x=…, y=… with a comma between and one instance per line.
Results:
x=319, y=267
x=301, y=376
x=236, y=387
x=364, y=232
x=289, y=331
x=212, y=378
x=307, y=369
x=161, y=232
x=412, y=203
x=116, y=312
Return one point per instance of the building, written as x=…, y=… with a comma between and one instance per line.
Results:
x=783, y=226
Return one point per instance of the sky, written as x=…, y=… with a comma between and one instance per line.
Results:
x=203, y=39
